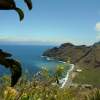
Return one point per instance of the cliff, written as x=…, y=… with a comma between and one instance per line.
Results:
x=81, y=55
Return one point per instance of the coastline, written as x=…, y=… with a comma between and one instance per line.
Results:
x=67, y=78
x=49, y=58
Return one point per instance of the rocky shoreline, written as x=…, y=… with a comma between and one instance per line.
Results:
x=66, y=80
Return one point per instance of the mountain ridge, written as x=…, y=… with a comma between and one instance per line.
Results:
x=81, y=55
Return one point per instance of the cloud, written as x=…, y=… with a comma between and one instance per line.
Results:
x=97, y=26
x=98, y=36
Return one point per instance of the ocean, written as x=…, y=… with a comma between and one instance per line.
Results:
x=29, y=57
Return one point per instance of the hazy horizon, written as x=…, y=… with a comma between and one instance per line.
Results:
x=53, y=22
x=40, y=43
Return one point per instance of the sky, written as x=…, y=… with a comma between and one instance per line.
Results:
x=52, y=22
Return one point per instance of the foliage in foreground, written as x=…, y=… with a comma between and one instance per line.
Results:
x=44, y=87
x=35, y=90
x=44, y=90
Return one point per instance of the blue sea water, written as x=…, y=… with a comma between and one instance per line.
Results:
x=30, y=58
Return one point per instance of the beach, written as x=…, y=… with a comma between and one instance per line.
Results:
x=66, y=80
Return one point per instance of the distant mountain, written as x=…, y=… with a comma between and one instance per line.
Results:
x=81, y=55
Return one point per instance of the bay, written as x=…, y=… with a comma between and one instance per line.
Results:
x=29, y=57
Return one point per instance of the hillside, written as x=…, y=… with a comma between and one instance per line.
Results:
x=88, y=56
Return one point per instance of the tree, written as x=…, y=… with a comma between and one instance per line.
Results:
x=59, y=72
x=5, y=59
x=11, y=5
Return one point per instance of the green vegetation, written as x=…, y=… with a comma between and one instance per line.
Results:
x=44, y=88
x=88, y=75
x=34, y=90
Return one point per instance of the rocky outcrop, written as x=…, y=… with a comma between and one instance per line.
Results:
x=81, y=55
x=13, y=65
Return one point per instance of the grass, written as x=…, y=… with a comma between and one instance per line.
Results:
x=44, y=90
x=88, y=76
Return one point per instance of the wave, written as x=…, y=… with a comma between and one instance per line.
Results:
x=49, y=58
x=64, y=80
